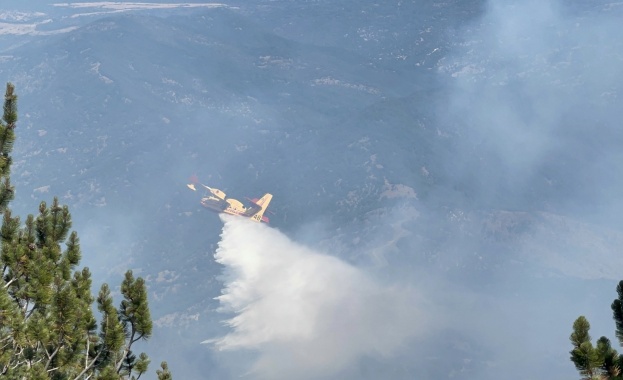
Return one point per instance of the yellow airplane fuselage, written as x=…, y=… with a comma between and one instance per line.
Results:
x=218, y=202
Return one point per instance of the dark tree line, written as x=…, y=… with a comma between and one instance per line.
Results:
x=47, y=326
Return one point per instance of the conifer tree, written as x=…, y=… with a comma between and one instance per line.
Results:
x=584, y=355
x=47, y=326
x=600, y=362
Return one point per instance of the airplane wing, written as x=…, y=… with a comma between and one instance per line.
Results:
x=216, y=192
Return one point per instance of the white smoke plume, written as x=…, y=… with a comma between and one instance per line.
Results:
x=306, y=314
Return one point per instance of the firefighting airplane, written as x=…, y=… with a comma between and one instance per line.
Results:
x=216, y=201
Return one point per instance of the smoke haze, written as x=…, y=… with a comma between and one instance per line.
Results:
x=534, y=94
x=470, y=149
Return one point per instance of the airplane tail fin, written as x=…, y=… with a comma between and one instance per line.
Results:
x=263, y=203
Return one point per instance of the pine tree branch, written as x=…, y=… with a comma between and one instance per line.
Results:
x=138, y=338
x=86, y=357
x=27, y=316
x=88, y=367
x=10, y=282
x=50, y=357
x=127, y=348
x=19, y=364
x=7, y=338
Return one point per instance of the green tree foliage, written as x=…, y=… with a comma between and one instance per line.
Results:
x=617, y=312
x=163, y=373
x=585, y=357
x=7, y=138
x=47, y=326
x=599, y=362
